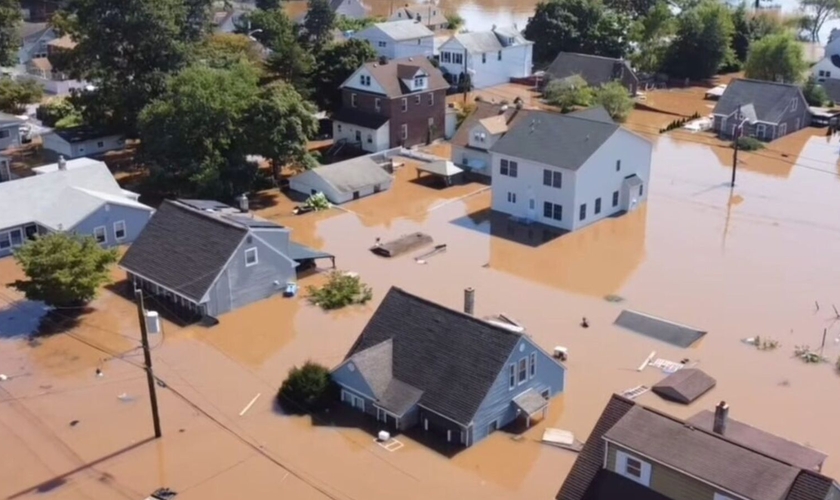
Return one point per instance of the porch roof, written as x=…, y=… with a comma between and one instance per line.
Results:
x=530, y=402
x=299, y=252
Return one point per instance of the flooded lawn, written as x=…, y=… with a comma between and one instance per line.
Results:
x=753, y=260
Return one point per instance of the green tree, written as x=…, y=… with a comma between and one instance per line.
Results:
x=764, y=24
x=702, y=43
x=268, y=4
x=576, y=26
x=615, y=99
x=776, y=58
x=340, y=290
x=15, y=95
x=636, y=9
x=742, y=33
x=287, y=60
x=817, y=13
x=307, y=388
x=63, y=269
x=569, y=93
x=455, y=21
x=343, y=23
x=334, y=65
x=814, y=93
x=281, y=123
x=10, y=20
x=128, y=48
x=318, y=24
x=58, y=110
x=222, y=50
x=651, y=33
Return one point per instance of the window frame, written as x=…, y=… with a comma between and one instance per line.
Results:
x=256, y=257
x=431, y=98
x=582, y=212
x=615, y=199
x=404, y=104
x=116, y=231
x=377, y=104
x=548, y=210
x=597, y=209
x=104, y=234
x=513, y=169
x=532, y=365
x=511, y=376
x=484, y=58
x=557, y=213
x=628, y=466
x=618, y=165
x=511, y=197
x=5, y=237
x=504, y=166
x=353, y=101
x=499, y=56
x=522, y=371
x=417, y=99
x=404, y=131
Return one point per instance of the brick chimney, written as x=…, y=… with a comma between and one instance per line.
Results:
x=721, y=416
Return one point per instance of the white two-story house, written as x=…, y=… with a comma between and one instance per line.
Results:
x=489, y=57
x=568, y=171
x=479, y=132
x=399, y=39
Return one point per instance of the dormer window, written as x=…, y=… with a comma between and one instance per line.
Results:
x=419, y=82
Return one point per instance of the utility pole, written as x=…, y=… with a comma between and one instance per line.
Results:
x=737, y=135
x=147, y=355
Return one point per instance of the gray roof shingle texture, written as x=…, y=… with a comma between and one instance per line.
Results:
x=351, y=175
x=770, y=100
x=595, y=70
x=705, y=456
x=453, y=358
x=387, y=75
x=684, y=386
x=564, y=141
x=764, y=442
x=404, y=30
x=658, y=328
x=483, y=110
x=183, y=249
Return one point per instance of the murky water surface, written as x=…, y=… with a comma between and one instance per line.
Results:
x=753, y=260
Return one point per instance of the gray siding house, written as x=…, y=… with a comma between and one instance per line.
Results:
x=418, y=363
x=78, y=195
x=635, y=452
x=767, y=110
x=9, y=131
x=207, y=258
x=595, y=70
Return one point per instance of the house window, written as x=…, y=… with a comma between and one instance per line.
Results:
x=100, y=144
x=365, y=80
x=514, y=169
x=370, y=138
x=822, y=73
x=417, y=100
x=511, y=197
x=511, y=383
x=431, y=99
x=458, y=58
x=793, y=104
x=552, y=211
x=504, y=168
x=6, y=243
x=4, y=134
x=483, y=58
x=419, y=82
x=828, y=74
x=404, y=104
x=251, y=257
x=431, y=122
x=583, y=211
x=404, y=131
x=358, y=136
x=597, y=206
x=418, y=41
x=377, y=105
x=615, y=198
x=100, y=234
x=338, y=127
x=632, y=468
x=641, y=189
x=445, y=57
x=381, y=44
x=16, y=236
x=532, y=365
x=499, y=56
x=119, y=230
x=618, y=165
x=353, y=100
x=547, y=209
x=553, y=179
x=523, y=370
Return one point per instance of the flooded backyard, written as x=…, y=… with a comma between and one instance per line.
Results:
x=753, y=260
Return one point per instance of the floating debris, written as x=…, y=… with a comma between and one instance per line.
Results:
x=562, y=439
x=805, y=353
x=635, y=392
x=613, y=298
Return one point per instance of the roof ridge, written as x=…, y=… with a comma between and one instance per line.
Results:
x=753, y=80
x=455, y=311
x=617, y=59
x=575, y=116
x=721, y=437
x=183, y=206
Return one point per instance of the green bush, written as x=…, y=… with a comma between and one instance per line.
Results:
x=340, y=290
x=307, y=388
x=749, y=144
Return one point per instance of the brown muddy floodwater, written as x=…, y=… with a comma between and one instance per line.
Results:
x=739, y=262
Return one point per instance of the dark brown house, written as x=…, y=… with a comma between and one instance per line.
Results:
x=386, y=104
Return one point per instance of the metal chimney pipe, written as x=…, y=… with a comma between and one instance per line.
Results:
x=721, y=416
x=469, y=300
x=62, y=163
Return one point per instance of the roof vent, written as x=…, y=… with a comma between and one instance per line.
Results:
x=503, y=108
x=62, y=163
x=243, y=203
x=721, y=416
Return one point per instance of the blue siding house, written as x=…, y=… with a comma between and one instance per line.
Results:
x=418, y=363
x=206, y=258
x=79, y=195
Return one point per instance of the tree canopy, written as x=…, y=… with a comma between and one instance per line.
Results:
x=318, y=24
x=615, y=99
x=335, y=65
x=569, y=93
x=306, y=388
x=222, y=50
x=702, y=43
x=63, y=269
x=776, y=58
x=197, y=135
x=287, y=60
x=650, y=32
x=15, y=95
x=10, y=20
x=817, y=12
x=268, y=4
x=814, y=93
x=584, y=26
x=128, y=48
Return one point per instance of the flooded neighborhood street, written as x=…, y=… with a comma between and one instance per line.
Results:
x=758, y=259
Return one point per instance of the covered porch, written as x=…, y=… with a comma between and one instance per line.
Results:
x=531, y=403
x=444, y=170
x=306, y=257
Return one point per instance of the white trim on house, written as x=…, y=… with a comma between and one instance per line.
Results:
x=728, y=492
x=621, y=466
x=248, y=251
x=124, y=231
x=104, y=234
x=163, y=287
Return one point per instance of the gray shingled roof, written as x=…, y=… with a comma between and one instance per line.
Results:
x=350, y=175
x=404, y=30
x=703, y=455
x=595, y=70
x=453, y=358
x=479, y=42
x=565, y=141
x=684, y=386
x=764, y=442
x=387, y=75
x=183, y=249
x=770, y=101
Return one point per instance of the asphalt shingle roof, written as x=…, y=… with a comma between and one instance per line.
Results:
x=684, y=386
x=453, y=358
x=595, y=70
x=183, y=249
x=430, y=15
x=770, y=100
x=483, y=110
x=350, y=175
x=388, y=76
x=404, y=30
x=565, y=141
